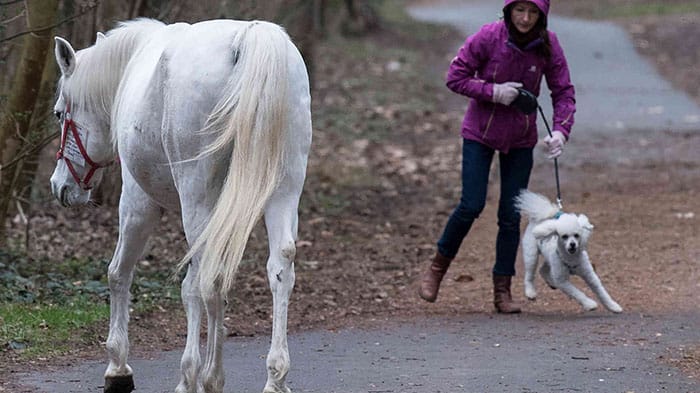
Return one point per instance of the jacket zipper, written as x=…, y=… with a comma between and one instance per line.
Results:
x=493, y=111
x=527, y=124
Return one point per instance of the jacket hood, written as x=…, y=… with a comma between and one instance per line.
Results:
x=543, y=5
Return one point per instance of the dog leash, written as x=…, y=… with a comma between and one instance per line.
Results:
x=527, y=103
x=556, y=163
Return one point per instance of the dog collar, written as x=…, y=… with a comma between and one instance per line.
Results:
x=558, y=214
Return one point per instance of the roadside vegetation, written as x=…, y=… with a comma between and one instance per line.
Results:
x=48, y=307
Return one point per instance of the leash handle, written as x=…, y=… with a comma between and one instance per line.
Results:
x=556, y=164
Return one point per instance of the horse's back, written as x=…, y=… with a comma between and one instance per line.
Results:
x=186, y=67
x=167, y=95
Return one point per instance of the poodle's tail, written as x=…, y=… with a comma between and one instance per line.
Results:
x=537, y=207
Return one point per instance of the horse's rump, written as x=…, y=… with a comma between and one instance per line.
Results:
x=251, y=116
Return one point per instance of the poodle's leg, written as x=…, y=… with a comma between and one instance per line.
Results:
x=530, y=259
x=546, y=274
x=568, y=288
x=593, y=281
x=560, y=280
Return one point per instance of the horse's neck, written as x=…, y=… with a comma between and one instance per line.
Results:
x=102, y=65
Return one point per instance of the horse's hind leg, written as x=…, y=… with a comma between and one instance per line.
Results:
x=199, y=376
x=281, y=220
x=191, y=358
x=137, y=216
x=212, y=377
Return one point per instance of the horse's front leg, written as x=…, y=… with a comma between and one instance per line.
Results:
x=137, y=216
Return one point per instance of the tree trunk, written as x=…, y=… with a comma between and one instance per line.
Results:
x=43, y=124
x=362, y=18
x=15, y=119
x=319, y=17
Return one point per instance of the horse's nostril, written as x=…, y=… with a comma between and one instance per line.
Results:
x=63, y=196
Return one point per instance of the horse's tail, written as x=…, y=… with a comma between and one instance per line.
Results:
x=251, y=116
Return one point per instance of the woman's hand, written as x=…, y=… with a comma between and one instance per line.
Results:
x=505, y=93
x=555, y=144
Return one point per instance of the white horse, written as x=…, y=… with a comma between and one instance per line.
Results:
x=212, y=120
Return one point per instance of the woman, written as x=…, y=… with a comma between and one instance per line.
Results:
x=493, y=63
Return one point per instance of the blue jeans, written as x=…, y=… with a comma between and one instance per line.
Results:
x=515, y=175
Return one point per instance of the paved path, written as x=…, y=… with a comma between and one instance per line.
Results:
x=593, y=352
x=615, y=87
x=596, y=352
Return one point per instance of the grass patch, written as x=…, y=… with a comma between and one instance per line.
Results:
x=47, y=329
x=46, y=307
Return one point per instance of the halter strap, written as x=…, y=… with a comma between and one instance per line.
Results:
x=69, y=124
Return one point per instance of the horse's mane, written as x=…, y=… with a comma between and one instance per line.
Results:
x=99, y=68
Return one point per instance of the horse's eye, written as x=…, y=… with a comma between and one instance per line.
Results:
x=58, y=114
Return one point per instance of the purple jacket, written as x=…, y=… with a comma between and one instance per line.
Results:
x=487, y=58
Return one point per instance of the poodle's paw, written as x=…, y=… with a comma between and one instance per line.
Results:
x=549, y=281
x=614, y=307
x=589, y=305
x=530, y=292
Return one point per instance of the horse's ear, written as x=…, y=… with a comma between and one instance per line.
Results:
x=65, y=56
x=100, y=37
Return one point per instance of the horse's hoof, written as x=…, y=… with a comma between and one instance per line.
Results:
x=119, y=384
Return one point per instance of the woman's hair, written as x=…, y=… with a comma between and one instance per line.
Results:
x=538, y=31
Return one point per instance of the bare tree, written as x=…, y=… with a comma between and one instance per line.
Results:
x=16, y=116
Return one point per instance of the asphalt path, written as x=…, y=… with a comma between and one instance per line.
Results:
x=587, y=352
x=616, y=88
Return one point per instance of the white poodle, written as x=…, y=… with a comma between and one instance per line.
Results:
x=561, y=238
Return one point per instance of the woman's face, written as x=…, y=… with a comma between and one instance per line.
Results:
x=524, y=16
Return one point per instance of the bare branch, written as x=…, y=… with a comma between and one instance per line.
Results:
x=43, y=29
x=4, y=3
x=38, y=146
x=14, y=18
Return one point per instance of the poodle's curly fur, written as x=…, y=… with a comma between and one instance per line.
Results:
x=561, y=238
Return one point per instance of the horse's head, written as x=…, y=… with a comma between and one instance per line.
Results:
x=86, y=145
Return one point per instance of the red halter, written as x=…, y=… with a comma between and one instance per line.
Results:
x=68, y=123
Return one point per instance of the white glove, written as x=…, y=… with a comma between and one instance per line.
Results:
x=505, y=93
x=555, y=144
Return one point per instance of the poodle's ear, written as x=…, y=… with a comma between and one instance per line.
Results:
x=544, y=229
x=585, y=224
x=587, y=227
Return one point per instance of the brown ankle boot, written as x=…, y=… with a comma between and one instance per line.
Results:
x=501, y=295
x=430, y=281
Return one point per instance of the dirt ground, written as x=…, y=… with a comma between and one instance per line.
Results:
x=375, y=203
